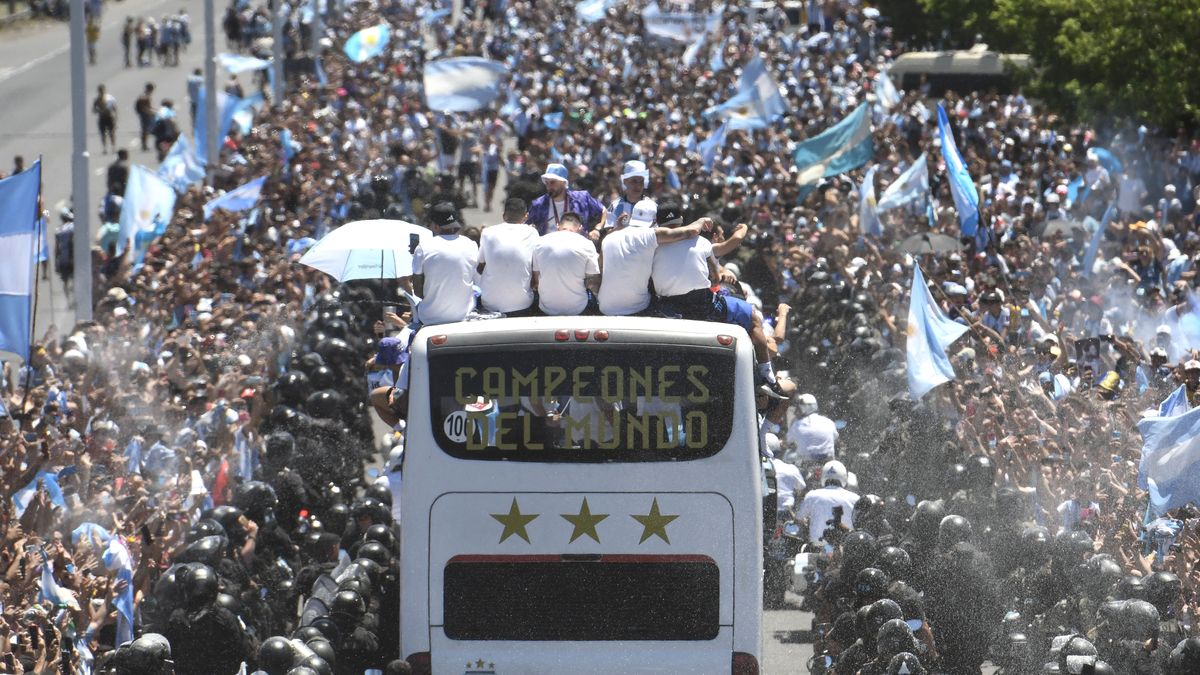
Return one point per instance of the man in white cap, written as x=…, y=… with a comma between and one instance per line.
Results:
x=635, y=178
x=444, y=269
x=629, y=257
x=546, y=211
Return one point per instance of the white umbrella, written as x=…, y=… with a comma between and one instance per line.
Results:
x=367, y=249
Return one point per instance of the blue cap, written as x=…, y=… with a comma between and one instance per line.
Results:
x=555, y=172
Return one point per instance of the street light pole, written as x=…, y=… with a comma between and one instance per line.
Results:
x=81, y=203
x=210, y=88
x=277, y=52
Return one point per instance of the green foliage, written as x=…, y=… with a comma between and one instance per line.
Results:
x=1116, y=59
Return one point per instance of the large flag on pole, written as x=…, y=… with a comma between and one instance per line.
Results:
x=962, y=188
x=710, y=146
x=19, y=240
x=240, y=63
x=149, y=204
x=462, y=84
x=912, y=187
x=845, y=146
x=930, y=332
x=757, y=102
x=181, y=168
x=1170, y=466
x=368, y=43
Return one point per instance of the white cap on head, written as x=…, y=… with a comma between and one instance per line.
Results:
x=772, y=447
x=807, y=404
x=643, y=214
x=635, y=168
x=833, y=472
x=1192, y=365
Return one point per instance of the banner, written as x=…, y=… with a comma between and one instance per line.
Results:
x=680, y=26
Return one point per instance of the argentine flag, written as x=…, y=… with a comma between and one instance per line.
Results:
x=1170, y=466
x=962, y=188
x=591, y=11
x=1176, y=404
x=912, y=187
x=239, y=63
x=710, y=146
x=368, y=43
x=181, y=168
x=149, y=204
x=868, y=216
x=463, y=84
x=18, y=239
x=929, y=334
x=241, y=198
x=845, y=146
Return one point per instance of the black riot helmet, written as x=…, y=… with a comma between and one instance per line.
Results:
x=879, y=613
x=292, y=387
x=303, y=670
x=1184, y=658
x=1129, y=587
x=229, y=517
x=981, y=473
x=925, y=521
x=207, y=550
x=255, y=498
x=336, y=518
x=318, y=665
x=307, y=633
x=275, y=656
x=1138, y=620
x=280, y=446
x=382, y=534
x=894, y=637
x=322, y=377
x=906, y=662
x=1100, y=573
x=1035, y=545
x=1009, y=505
x=205, y=527
x=870, y=584
x=383, y=494
x=1162, y=590
x=867, y=508
x=328, y=629
x=322, y=648
x=325, y=404
x=858, y=550
x=376, y=551
x=200, y=586
x=954, y=529
x=895, y=562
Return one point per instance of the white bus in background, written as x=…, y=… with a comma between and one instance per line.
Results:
x=581, y=495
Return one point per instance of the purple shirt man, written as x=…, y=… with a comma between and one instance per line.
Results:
x=547, y=210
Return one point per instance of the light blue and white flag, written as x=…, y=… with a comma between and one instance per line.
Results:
x=435, y=15
x=742, y=111
x=962, y=188
x=247, y=455
x=680, y=26
x=755, y=77
x=1176, y=404
x=716, y=62
x=911, y=187
x=1170, y=466
x=710, y=146
x=133, y=455
x=553, y=121
x=463, y=84
x=18, y=239
x=591, y=11
x=149, y=204
x=243, y=110
x=868, y=216
x=885, y=91
x=1108, y=160
x=1093, y=249
x=90, y=532
x=50, y=591
x=117, y=559
x=227, y=106
x=240, y=63
x=689, y=54
x=49, y=480
x=241, y=198
x=368, y=43
x=181, y=168
x=845, y=146
x=930, y=332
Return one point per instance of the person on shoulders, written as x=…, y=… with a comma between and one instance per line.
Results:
x=628, y=255
x=506, y=262
x=547, y=211
x=566, y=269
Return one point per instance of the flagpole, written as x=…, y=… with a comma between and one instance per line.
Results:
x=81, y=202
x=277, y=82
x=212, y=130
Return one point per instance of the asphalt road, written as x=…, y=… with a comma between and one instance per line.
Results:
x=35, y=110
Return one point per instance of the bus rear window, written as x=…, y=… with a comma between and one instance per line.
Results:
x=554, y=600
x=593, y=403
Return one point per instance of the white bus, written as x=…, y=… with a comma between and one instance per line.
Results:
x=581, y=495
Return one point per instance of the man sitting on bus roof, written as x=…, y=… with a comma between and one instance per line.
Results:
x=566, y=270
x=628, y=256
x=684, y=273
x=506, y=263
x=444, y=270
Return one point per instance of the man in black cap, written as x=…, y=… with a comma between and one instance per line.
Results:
x=444, y=270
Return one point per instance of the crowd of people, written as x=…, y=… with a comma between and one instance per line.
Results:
x=183, y=470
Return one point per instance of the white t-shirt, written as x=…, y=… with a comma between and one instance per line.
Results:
x=818, y=508
x=448, y=263
x=815, y=437
x=563, y=259
x=507, y=251
x=788, y=481
x=682, y=266
x=628, y=259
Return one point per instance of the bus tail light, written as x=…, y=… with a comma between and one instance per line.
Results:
x=438, y=340
x=743, y=664
x=421, y=664
x=724, y=340
x=580, y=334
x=562, y=335
x=600, y=335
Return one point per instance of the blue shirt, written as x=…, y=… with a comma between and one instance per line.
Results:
x=542, y=216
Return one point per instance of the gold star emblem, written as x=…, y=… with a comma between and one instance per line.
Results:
x=584, y=522
x=514, y=522
x=479, y=663
x=654, y=523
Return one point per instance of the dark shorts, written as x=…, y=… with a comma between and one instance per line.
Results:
x=468, y=169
